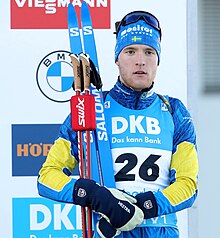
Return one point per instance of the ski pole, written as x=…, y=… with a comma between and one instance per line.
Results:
x=77, y=88
x=86, y=77
x=83, y=119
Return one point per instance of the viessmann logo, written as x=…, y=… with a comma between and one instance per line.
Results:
x=52, y=14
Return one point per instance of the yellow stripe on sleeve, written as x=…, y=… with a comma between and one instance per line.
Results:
x=59, y=157
x=185, y=165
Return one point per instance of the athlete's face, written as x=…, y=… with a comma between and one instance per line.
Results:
x=137, y=66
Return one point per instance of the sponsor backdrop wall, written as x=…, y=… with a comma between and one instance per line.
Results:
x=36, y=78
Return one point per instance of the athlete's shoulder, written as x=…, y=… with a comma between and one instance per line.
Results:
x=183, y=124
x=178, y=107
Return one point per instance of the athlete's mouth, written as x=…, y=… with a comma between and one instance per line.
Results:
x=139, y=72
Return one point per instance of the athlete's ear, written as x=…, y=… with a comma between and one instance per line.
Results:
x=116, y=62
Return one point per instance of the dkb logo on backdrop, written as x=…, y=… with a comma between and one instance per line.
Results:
x=45, y=218
x=55, y=76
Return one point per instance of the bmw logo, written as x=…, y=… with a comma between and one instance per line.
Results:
x=55, y=76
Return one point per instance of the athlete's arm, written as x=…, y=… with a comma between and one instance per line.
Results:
x=184, y=165
x=54, y=182
x=54, y=179
x=182, y=191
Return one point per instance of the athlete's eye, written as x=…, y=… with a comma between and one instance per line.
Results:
x=150, y=52
x=130, y=52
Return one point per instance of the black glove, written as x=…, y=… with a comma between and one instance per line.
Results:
x=147, y=203
x=105, y=229
x=115, y=206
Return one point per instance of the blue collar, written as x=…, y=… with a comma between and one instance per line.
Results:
x=130, y=98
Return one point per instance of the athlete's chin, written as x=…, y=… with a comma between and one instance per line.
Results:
x=141, y=84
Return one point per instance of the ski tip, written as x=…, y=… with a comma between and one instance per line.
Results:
x=84, y=3
x=85, y=6
x=70, y=5
x=71, y=9
x=85, y=11
x=71, y=15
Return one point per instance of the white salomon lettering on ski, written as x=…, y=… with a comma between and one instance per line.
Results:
x=101, y=160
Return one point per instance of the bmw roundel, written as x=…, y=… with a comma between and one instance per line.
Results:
x=55, y=76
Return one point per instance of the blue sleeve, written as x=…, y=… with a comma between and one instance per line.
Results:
x=182, y=191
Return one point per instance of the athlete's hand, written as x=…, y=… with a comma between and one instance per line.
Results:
x=105, y=229
x=115, y=206
x=147, y=203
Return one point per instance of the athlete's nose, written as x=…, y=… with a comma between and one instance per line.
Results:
x=140, y=60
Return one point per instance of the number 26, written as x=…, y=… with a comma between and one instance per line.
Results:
x=149, y=171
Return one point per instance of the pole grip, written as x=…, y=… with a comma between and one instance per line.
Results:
x=76, y=72
x=86, y=70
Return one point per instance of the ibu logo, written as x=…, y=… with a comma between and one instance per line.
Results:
x=135, y=124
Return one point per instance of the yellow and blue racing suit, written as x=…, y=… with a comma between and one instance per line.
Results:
x=152, y=150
